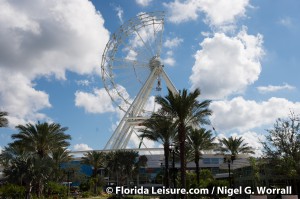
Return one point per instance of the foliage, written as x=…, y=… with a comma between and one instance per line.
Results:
x=186, y=111
x=56, y=188
x=161, y=128
x=3, y=119
x=121, y=165
x=96, y=160
x=84, y=186
x=282, y=145
x=86, y=194
x=12, y=191
x=282, y=148
x=35, y=155
x=234, y=146
x=41, y=138
x=200, y=140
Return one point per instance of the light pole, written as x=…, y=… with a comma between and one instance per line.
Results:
x=229, y=160
x=69, y=172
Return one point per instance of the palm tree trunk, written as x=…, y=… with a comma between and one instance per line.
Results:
x=166, y=151
x=197, y=168
x=182, y=136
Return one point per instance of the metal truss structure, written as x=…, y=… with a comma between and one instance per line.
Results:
x=131, y=66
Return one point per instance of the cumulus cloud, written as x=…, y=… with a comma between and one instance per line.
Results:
x=84, y=82
x=238, y=57
x=81, y=147
x=169, y=61
x=171, y=43
x=20, y=99
x=243, y=115
x=271, y=88
x=218, y=12
x=96, y=102
x=143, y=3
x=45, y=38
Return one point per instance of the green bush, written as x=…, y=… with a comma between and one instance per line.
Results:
x=86, y=194
x=84, y=186
x=53, y=188
x=12, y=191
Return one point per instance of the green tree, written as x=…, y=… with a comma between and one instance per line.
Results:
x=282, y=147
x=3, y=119
x=27, y=169
x=161, y=128
x=30, y=159
x=187, y=111
x=200, y=140
x=59, y=156
x=96, y=160
x=121, y=165
x=41, y=138
x=234, y=146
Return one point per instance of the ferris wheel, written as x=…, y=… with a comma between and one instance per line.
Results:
x=132, y=70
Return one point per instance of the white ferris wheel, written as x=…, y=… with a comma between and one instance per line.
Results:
x=132, y=73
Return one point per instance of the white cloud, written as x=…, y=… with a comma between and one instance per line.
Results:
x=96, y=102
x=81, y=147
x=19, y=98
x=169, y=61
x=240, y=114
x=83, y=82
x=171, y=43
x=120, y=13
x=238, y=57
x=218, y=12
x=286, y=21
x=45, y=38
x=271, y=88
x=143, y=3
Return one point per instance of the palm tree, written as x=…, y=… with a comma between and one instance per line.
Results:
x=233, y=146
x=41, y=138
x=96, y=160
x=59, y=156
x=3, y=119
x=121, y=164
x=187, y=111
x=161, y=128
x=200, y=140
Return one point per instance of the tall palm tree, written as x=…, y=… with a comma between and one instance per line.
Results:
x=187, y=111
x=3, y=119
x=41, y=138
x=200, y=140
x=96, y=160
x=234, y=146
x=161, y=128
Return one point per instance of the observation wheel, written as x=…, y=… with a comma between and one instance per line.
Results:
x=131, y=71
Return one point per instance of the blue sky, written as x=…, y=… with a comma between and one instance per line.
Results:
x=242, y=54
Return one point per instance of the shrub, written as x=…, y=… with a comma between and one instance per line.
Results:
x=12, y=191
x=86, y=194
x=54, y=188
